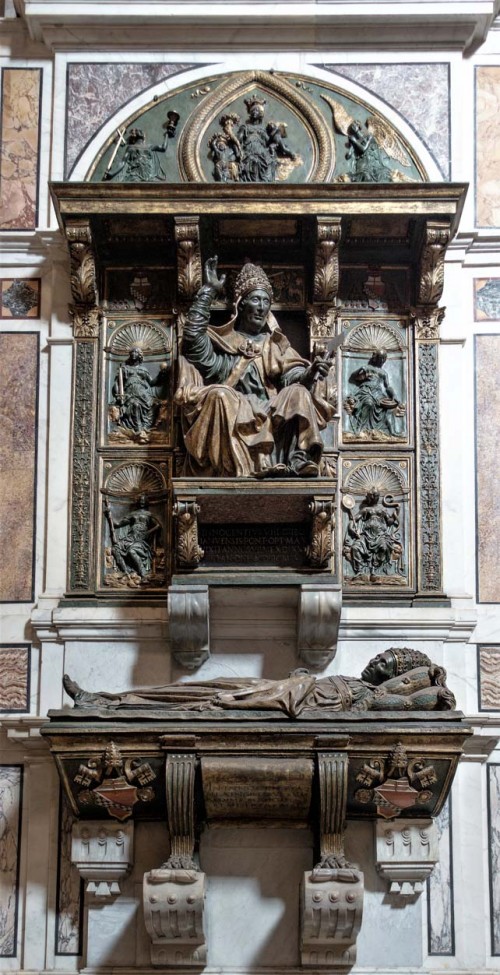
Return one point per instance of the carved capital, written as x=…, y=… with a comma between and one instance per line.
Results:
x=83, y=276
x=322, y=322
x=407, y=853
x=436, y=239
x=86, y=321
x=188, y=552
x=188, y=613
x=426, y=322
x=103, y=854
x=173, y=914
x=189, y=273
x=326, y=262
x=319, y=552
x=319, y=618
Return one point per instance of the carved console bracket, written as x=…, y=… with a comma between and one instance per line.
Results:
x=187, y=239
x=332, y=893
x=103, y=854
x=407, y=853
x=188, y=552
x=318, y=623
x=188, y=613
x=174, y=895
x=85, y=313
x=326, y=262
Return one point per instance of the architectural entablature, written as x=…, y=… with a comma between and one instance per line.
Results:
x=85, y=24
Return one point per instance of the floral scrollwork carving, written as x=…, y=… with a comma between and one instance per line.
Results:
x=437, y=238
x=319, y=552
x=189, y=274
x=189, y=554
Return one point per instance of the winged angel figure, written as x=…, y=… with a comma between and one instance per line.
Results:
x=367, y=152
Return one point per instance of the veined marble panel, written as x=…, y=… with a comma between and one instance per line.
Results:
x=96, y=91
x=20, y=128
x=488, y=146
x=20, y=298
x=18, y=409
x=11, y=783
x=487, y=353
x=486, y=299
x=69, y=906
x=494, y=854
x=440, y=916
x=489, y=678
x=406, y=88
x=14, y=677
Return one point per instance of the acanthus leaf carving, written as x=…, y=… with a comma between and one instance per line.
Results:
x=189, y=553
x=189, y=271
x=319, y=552
x=326, y=265
x=437, y=238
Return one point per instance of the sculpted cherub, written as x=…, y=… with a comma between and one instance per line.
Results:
x=368, y=152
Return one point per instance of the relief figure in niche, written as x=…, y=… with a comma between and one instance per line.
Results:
x=256, y=152
x=374, y=407
x=400, y=679
x=250, y=405
x=135, y=546
x=137, y=408
x=140, y=162
x=372, y=542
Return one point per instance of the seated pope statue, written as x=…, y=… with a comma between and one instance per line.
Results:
x=250, y=405
x=400, y=679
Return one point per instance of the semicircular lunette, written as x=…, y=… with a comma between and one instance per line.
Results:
x=132, y=480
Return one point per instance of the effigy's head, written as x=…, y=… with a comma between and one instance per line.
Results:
x=392, y=663
x=253, y=295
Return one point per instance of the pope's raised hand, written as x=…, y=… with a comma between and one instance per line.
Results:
x=211, y=277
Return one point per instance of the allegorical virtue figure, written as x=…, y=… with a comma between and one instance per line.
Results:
x=250, y=405
x=132, y=539
x=372, y=540
x=134, y=393
x=400, y=679
x=374, y=403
